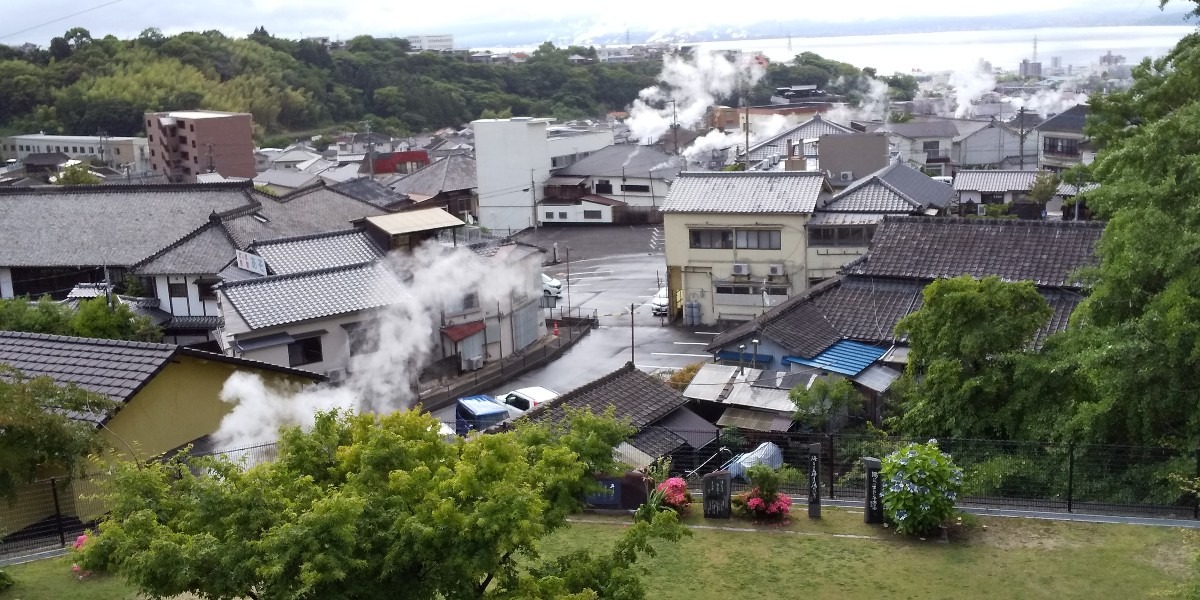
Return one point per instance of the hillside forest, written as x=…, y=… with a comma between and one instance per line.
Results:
x=80, y=85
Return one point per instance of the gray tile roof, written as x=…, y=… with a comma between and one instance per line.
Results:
x=318, y=251
x=114, y=225
x=365, y=189
x=813, y=128
x=315, y=210
x=283, y=299
x=916, y=130
x=1005, y=181
x=657, y=441
x=117, y=369
x=845, y=218
x=202, y=252
x=792, y=192
x=454, y=173
x=637, y=397
x=1047, y=253
x=896, y=188
x=285, y=179
x=636, y=161
x=1071, y=120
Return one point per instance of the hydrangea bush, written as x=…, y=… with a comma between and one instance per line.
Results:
x=675, y=494
x=920, y=487
x=764, y=501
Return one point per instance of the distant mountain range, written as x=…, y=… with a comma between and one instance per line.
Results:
x=590, y=32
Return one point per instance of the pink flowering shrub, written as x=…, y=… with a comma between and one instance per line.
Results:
x=764, y=501
x=78, y=546
x=675, y=494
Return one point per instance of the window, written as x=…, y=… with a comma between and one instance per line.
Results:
x=363, y=337
x=758, y=239
x=992, y=198
x=712, y=238
x=151, y=138
x=549, y=214
x=844, y=235
x=117, y=151
x=305, y=351
x=75, y=149
x=207, y=289
x=91, y=149
x=927, y=146
x=152, y=152
x=591, y=214
x=516, y=402
x=471, y=301
x=177, y=290
x=562, y=215
x=603, y=186
x=747, y=290
x=645, y=189
x=1053, y=145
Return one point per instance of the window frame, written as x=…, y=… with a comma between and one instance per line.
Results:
x=302, y=351
x=172, y=288
x=710, y=239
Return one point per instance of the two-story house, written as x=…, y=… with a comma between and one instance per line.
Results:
x=736, y=242
x=924, y=145
x=615, y=178
x=1063, y=142
x=975, y=189
x=993, y=145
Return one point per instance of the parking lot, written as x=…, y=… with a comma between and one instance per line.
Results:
x=612, y=268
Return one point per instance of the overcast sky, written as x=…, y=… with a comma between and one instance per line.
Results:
x=31, y=20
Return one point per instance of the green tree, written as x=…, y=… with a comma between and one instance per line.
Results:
x=39, y=436
x=96, y=318
x=966, y=343
x=370, y=507
x=77, y=175
x=819, y=406
x=43, y=316
x=1044, y=188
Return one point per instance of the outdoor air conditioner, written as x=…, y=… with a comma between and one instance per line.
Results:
x=776, y=270
x=846, y=176
x=741, y=269
x=336, y=375
x=475, y=363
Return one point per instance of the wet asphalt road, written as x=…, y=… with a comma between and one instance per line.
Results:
x=610, y=269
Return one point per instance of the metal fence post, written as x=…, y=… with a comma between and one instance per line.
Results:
x=62, y=534
x=1071, y=477
x=831, y=457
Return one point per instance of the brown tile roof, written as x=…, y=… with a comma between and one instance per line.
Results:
x=1047, y=253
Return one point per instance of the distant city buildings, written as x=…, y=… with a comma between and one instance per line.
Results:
x=1030, y=70
x=111, y=151
x=185, y=143
x=432, y=43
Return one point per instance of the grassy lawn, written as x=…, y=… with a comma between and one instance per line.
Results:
x=837, y=557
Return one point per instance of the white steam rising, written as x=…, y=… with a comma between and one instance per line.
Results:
x=968, y=87
x=694, y=84
x=874, y=105
x=717, y=140
x=423, y=284
x=1048, y=102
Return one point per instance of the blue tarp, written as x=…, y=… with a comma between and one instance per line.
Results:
x=478, y=412
x=845, y=357
x=766, y=453
x=731, y=356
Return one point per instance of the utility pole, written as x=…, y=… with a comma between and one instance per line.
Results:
x=533, y=206
x=746, y=100
x=370, y=151
x=103, y=135
x=212, y=167
x=675, y=126
x=1022, y=132
x=632, y=348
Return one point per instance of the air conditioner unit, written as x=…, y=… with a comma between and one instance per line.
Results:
x=776, y=270
x=741, y=269
x=846, y=176
x=336, y=375
x=982, y=210
x=475, y=363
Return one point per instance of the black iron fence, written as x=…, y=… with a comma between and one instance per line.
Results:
x=1034, y=476
x=47, y=516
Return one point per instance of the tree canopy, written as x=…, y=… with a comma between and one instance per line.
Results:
x=94, y=318
x=38, y=437
x=819, y=406
x=371, y=507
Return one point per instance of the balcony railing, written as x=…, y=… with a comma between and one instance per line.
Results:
x=940, y=155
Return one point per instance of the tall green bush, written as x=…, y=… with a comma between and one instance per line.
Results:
x=921, y=486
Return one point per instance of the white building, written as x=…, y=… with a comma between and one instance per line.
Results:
x=435, y=43
x=117, y=151
x=514, y=159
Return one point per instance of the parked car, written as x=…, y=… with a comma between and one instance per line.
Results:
x=519, y=401
x=476, y=413
x=551, y=286
x=658, y=306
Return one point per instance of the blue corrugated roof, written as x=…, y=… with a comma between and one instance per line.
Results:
x=482, y=405
x=729, y=356
x=845, y=357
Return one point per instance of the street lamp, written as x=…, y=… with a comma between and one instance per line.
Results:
x=754, y=357
x=741, y=359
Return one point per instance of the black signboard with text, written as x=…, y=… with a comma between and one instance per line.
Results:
x=814, y=481
x=873, y=511
x=717, y=495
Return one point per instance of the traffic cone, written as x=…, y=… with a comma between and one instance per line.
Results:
x=556, y=329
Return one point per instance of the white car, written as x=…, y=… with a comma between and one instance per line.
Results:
x=658, y=306
x=551, y=286
x=519, y=401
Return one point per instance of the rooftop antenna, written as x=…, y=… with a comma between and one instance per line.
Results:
x=1035, y=48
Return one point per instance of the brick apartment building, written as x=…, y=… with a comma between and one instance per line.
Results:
x=186, y=143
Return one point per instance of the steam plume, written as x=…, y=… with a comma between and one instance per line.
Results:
x=694, y=85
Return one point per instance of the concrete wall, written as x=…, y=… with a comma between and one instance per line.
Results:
x=859, y=153
x=511, y=155
x=825, y=261
x=703, y=269
x=116, y=151
x=659, y=188
x=6, y=287
x=335, y=342
x=572, y=147
x=992, y=144
x=224, y=141
x=551, y=214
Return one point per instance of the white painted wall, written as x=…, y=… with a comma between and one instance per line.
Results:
x=576, y=144
x=192, y=305
x=659, y=188
x=551, y=214
x=6, y=287
x=992, y=144
x=510, y=154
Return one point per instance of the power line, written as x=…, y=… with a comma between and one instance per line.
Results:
x=63, y=18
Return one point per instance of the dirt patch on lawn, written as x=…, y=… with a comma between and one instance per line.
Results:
x=1176, y=560
x=1012, y=534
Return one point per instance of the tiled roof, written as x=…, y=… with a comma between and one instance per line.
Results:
x=811, y=129
x=627, y=160
x=204, y=251
x=117, y=369
x=917, y=130
x=114, y=225
x=1047, y=253
x=1068, y=121
x=365, y=189
x=657, y=441
x=845, y=218
x=636, y=397
x=287, y=179
x=283, y=299
x=993, y=181
x=318, y=251
x=314, y=210
x=793, y=192
x=896, y=188
x=451, y=174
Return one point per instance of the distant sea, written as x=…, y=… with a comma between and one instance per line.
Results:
x=955, y=50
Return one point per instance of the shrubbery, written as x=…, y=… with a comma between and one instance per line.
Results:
x=764, y=500
x=921, y=484
x=675, y=494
